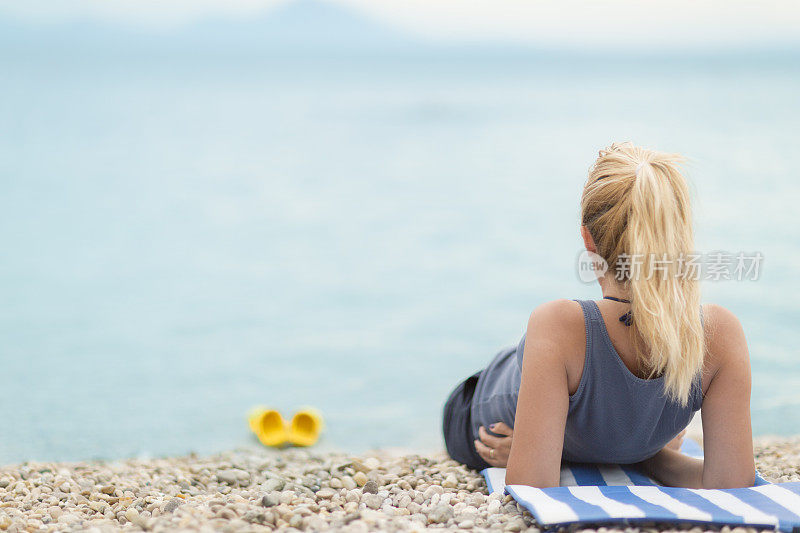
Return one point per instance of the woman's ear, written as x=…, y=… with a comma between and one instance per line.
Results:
x=588, y=242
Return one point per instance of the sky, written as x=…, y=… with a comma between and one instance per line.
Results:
x=612, y=23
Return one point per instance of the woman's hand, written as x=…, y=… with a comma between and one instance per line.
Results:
x=677, y=442
x=674, y=469
x=495, y=450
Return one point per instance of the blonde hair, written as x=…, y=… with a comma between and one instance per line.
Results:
x=636, y=204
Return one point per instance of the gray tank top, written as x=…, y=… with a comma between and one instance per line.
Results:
x=613, y=417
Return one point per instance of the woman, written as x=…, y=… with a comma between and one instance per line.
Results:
x=617, y=380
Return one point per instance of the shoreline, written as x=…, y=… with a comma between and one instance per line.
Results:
x=289, y=490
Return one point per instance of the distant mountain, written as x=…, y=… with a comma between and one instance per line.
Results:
x=307, y=28
x=302, y=25
x=296, y=27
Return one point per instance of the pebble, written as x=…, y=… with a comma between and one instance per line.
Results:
x=233, y=476
x=326, y=494
x=288, y=491
x=270, y=500
x=173, y=504
x=373, y=501
x=430, y=491
x=404, y=501
x=132, y=515
x=370, y=487
x=440, y=514
x=360, y=478
x=515, y=525
x=274, y=484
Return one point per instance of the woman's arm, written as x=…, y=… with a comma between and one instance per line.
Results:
x=727, y=436
x=727, y=433
x=543, y=401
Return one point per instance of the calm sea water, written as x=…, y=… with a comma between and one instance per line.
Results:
x=184, y=240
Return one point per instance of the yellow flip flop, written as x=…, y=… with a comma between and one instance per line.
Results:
x=268, y=425
x=305, y=427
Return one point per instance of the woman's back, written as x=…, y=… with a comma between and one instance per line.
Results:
x=614, y=416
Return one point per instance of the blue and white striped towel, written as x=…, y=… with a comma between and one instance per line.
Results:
x=610, y=493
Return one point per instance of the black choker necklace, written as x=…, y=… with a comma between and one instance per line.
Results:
x=627, y=318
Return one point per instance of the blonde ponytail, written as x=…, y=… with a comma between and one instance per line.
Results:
x=637, y=208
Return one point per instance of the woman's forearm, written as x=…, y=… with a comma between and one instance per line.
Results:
x=674, y=469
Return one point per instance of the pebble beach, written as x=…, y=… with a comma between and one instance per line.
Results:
x=291, y=490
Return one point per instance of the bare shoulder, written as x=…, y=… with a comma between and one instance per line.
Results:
x=556, y=339
x=726, y=344
x=558, y=327
x=557, y=314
